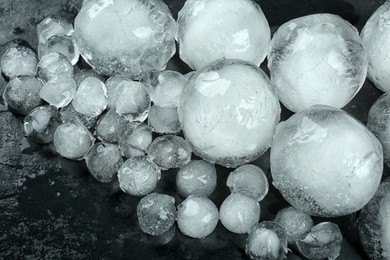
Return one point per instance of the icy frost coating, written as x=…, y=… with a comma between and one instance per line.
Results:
x=325, y=162
x=125, y=36
x=317, y=59
x=228, y=112
x=214, y=29
x=376, y=41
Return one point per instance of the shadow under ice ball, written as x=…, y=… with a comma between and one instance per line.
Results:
x=228, y=112
x=325, y=162
x=125, y=36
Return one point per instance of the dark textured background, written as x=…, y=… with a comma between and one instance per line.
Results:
x=52, y=208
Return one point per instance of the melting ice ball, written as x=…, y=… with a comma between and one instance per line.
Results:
x=325, y=162
x=214, y=29
x=317, y=59
x=228, y=112
x=125, y=36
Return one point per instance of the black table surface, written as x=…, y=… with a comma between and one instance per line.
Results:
x=51, y=208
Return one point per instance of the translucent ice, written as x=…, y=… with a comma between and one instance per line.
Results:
x=322, y=242
x=22, y=94
x=197, y=216
x=51, y=26
x=54, y=64
x=238, y=213
x=170, y=151
x=317, y=59
x=228, y=112
x=61, y=44
x=110, y=127
x=249, y=180
x=214, y=29
x=379, y=123
x=91, y=97
x=135, y=139
x=113, y=85
x=126, y=37
x=41, y=124
x=374, y=223
x=18, y=61
x=70, y=115
x=325, y=162
x=72, y=141
x=164, y=120
x=198, y=177
x=86, y=73
x=266, y=240
x=156, y=213
x=138, y=176
x=294, y=222
x=376, y=37
x=103, y=161
x=59, y=90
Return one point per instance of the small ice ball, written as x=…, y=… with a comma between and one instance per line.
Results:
x=266, y=240
x=21, y=94
x=317, y=60
x=86, y=73
x=59, y=90
x=103, y=161
x=198, y=177
x=164, y=120
x=138, y=176
x=249, y=180
x=51, y=26
x=156, y=213
x=197, y=216
x=214, y=29
x=113, y=85
x=69, y=114
x=54, y=64
x=325, y=163
x=238, y=213
x=135, y=139
x=72, y=141
x=60, y=44
x=110, y=127
x=19, y=61
x=228, y=112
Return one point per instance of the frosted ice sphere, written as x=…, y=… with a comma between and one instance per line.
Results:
x=294, y=222
x=41, y=124
x=198, y=177
x=103, y=161
x=228, y=112
x=135, y=139
x=21, y=94
x=72, y=141
x=51, y=26
x=266, y=240
x=167, y=87
x=19, y=61
x=164, y=120
x=249, y=180
x=376, y=39
x=138, y=176
x=129, y=37
x=86, y=73
x=156, y=213
x=322, y=242
x=110, y=127
x=374, y=223
x=379, y=123
x=59, y=90
x=170, y=151
x=113, y=87
x=238, y=213
x=60, y=44
x=70, y=115
x=91, y=97
x=214, y=29
x=317, y=59
x=197, y=216
x=54, y=64
x=325, y=163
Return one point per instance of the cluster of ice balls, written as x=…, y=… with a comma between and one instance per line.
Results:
x=228, y=111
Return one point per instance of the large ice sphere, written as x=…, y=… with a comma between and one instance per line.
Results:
x=374, y=223
x=214, y=29
x=376, y=41
x=317, y=59
x=18, y=61
x=325, y=162
x=228, y=112
x=125, y=36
